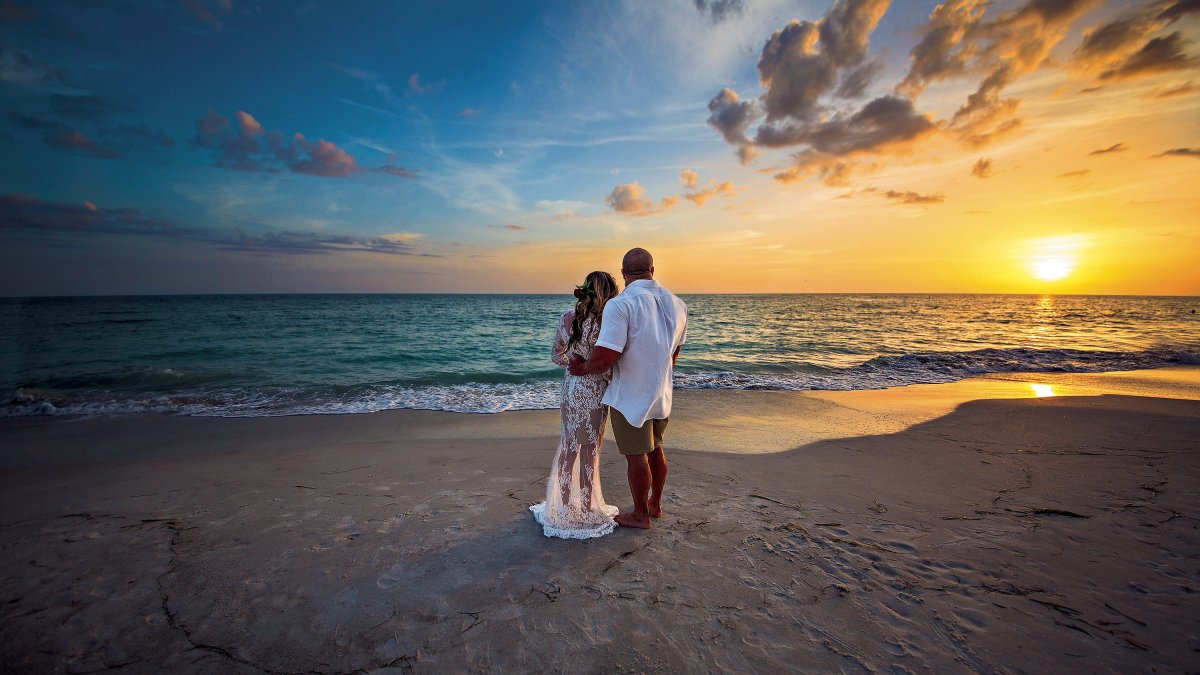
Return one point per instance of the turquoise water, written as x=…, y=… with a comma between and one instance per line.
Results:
x=290, y=354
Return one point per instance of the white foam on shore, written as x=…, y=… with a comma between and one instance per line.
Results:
x=878, y=373
x=465, y=398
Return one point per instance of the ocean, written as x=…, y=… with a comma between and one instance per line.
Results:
x=265, y=355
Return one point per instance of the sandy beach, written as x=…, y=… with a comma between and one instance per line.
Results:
x=1023, y=523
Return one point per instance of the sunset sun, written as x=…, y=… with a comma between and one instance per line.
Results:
x=1050, y=259
x=1053, y=269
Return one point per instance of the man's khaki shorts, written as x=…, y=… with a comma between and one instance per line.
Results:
x=633, y=440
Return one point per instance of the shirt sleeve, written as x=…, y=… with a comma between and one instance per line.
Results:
x=683, y=335
x=614, y=327
x=562, y=335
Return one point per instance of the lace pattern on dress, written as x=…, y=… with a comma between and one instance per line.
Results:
x=574, y=506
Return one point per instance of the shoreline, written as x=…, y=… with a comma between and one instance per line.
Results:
x=182, y=397
x=792, y=418
x=969, y=525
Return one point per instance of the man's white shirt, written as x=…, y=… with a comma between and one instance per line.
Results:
x=646, y=324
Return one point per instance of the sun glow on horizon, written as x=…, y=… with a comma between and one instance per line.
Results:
x=1053, y=269
x=1054, y=258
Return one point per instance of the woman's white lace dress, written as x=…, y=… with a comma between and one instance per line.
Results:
x=574, y=506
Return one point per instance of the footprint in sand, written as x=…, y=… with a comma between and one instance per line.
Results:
x=971, y=617
x=887, y=570
x=392, y=577
x=901, y=609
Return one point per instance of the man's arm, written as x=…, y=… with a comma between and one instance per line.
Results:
x=600, y=360
x=675, y=356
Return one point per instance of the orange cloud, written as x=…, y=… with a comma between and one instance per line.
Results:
x=247, y=146
x=714, y=189
x=630, y=199
x=982, y=168
x=688, y=178
x=324, y=159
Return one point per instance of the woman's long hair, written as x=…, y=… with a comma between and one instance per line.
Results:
x=597, y=289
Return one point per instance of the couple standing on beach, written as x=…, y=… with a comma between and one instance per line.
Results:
x=619, y=351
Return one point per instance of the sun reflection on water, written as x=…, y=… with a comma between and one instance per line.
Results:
x=1042, y=390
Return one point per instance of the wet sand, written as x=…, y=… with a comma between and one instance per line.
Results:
x=970, y=526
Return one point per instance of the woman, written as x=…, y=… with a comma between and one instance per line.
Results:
x=574, y=506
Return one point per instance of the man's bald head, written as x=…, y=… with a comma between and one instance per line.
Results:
x=638, y=263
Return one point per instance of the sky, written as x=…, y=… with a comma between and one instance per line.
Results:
x=753, y=146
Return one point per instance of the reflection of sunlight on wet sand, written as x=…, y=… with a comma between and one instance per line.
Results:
x=755, y=422
x=1042, y=390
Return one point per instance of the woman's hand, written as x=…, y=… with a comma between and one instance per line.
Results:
x=600, y=360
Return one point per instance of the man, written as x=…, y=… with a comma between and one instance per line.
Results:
x=641, y=332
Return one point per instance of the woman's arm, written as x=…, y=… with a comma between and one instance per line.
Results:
x=558, y=353
x=600, y=360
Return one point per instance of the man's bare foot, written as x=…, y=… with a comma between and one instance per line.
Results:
x=655, y=509
x=633, y=520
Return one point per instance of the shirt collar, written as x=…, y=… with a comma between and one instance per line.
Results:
x=641, y=283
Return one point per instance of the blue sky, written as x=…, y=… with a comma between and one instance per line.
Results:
x=232, y=146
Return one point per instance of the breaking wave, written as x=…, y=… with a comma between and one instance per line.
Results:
x=203, y=396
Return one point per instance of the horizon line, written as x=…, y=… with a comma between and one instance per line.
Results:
x=466, y=293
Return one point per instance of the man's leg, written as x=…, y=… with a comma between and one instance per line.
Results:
x=657, y=461
x=635, y=443
x=658, y=467
x=638, y=473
